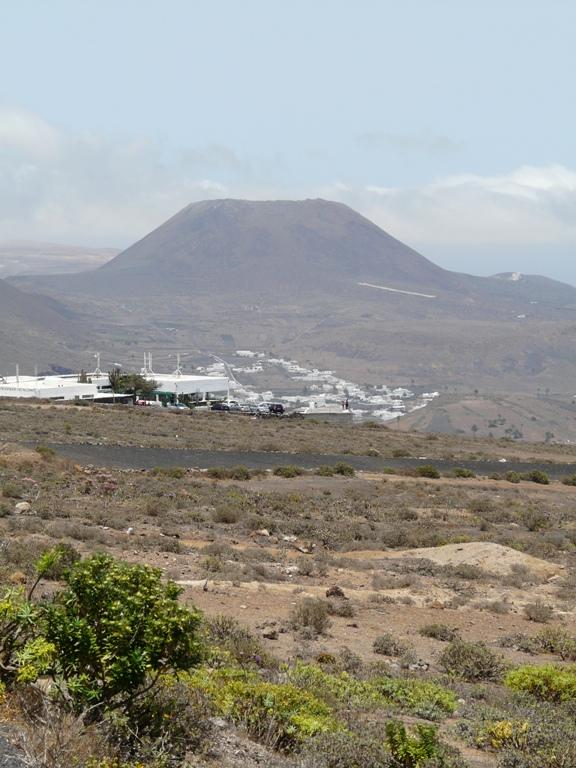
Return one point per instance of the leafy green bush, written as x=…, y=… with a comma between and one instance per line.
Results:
x=412, y=751
x=325, y=470
x=18, y=618
x=571, y=480
x=471, y=661
x=546, y=683
x=428, y=470
x=441, y=632
x=56, y=563
x=288, y=471
x=281, y=716
x=512, y=477
x=113, y=626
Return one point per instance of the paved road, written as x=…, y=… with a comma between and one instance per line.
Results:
x=126, y=457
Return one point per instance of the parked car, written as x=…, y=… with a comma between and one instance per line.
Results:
x=277, y=409
x=178, y=407
x=264, y=408
x=219, y=407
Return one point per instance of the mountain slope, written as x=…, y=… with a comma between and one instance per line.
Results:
x=318, y=282
x=34, y=330
x=237, y=246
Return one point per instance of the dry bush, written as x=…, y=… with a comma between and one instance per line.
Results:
x=52, y=737
x=441, y=632
x=539, y=612
x=389, y=645
x=472, y=662
x=340, y=607
x=310, y=617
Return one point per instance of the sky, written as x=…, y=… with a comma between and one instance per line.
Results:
x=450, y=123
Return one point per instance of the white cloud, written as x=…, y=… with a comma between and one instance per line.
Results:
x=93, y=190
x=88, y=189
x=528, y=205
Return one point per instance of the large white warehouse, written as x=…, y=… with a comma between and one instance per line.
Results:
x=96, y=386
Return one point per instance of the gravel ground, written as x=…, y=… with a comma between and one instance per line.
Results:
x=9, y=756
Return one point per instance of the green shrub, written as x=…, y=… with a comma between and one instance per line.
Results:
x=341, y=468
x=537, y=476
x=217, y=473
x=428, y=470
x=177, y=473
x=463, y=472
x=56, y=563
x=417, y=697
x=471, y=661
x=288, y=471
x=281, y=716
x=441, y=632
x=512, y=477
x=412, y=751
x=240, y=473
x=114, y=625
x=388, y=645
x=546, y=683
x=325, y=470
x=18, y=619
x=47, y=453
x=571, y=480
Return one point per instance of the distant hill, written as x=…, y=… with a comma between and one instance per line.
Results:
x=34, y=330
x=316, y=281
x=24, y=257
x=249, y=247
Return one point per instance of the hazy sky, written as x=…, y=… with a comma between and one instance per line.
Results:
x=451, y=123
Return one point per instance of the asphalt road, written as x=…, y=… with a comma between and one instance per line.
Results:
x=127, y=457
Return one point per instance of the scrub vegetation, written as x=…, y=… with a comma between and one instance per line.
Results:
x=318, y=618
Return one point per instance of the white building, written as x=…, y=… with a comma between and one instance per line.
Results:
x=96, y=387
x=54, y=388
